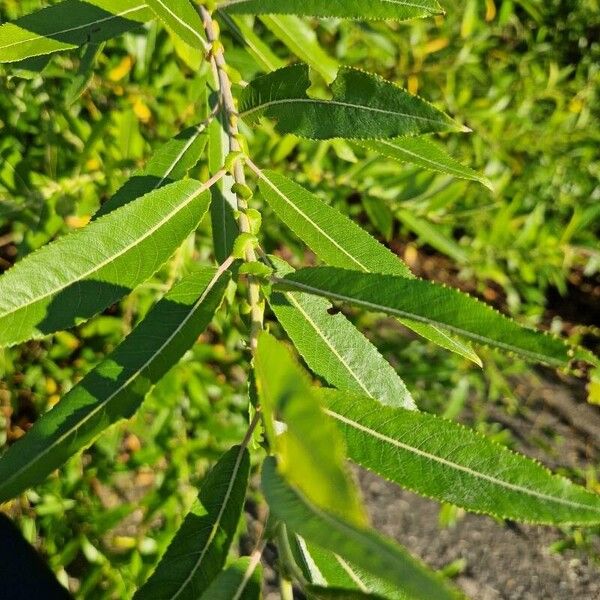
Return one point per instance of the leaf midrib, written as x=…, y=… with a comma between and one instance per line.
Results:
x=182, y=22
x=123, y=386
x=229, y=3
x=544, y=358
x=99, y=266
x=298, y=306
x=363, y=107
x=303, y=215
x=78, y=27
x=216, y=524
x=456, y=466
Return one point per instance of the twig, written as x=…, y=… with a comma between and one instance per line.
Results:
x=227, y=103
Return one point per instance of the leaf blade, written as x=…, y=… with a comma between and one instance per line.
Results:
x=424, y=153
x=463, y=467
x=358, y=545
x=309, y=445
x=67, y=25
x=363, y=106
x=340, y=242
x=199, y=549
x=334, y=349
x=399, y=10
x=116, y=387
x=241, y=580
x=57, y=286
x=431, y=304
x=180, y=16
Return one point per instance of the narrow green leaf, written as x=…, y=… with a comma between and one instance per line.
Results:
x=432, y=304
x=199, y=549
x=334, y=349
x=325, y=568
x=240, y=581
x=446, y=461
x=85, y=72
x=117, y=386
x=171, y=162
x=69, y=24
x=399, y=10
x=432, y=235
x=60, y=285
x=424, y=153
x=340, y=242
x=260, y=51
x=358, y=545
x=362, y=106
x=181, y=17
x=224, y=202
x=301, y=39
x=311, y=453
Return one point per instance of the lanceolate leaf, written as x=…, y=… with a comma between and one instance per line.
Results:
x=199, y=549
x=446, y=461
x=170, y=163
x=353, y=9
x=117, y=386
x=224, y=202
x=362, y=106
x=333, y=348
x=325, y=568
x=358, y=545
x=432, y=304
x=311, y=453
x=82, y=273
x=182, y=18
x=69, y=24
x=240, y=581
x=424, y=153
x=340, y=242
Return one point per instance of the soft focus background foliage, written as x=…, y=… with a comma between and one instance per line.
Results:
x=524, y=75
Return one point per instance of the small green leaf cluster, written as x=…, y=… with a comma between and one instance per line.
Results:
x=362, y=412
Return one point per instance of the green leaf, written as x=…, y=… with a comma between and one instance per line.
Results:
x=399, y=10
x=334, y=349
x=117, y=386
x=432, y=235
x=69, y=24
x=82, y=273
x=446, y=461
x=85, y=72
x=255, y=46
x=362, y=106
x=340, y=242
x=171, y=162
x=432, y=304
x=301, y=39
x=325, y=568
x=199, y=549
x=224, y=202
x=240, y=581
x=358, y=545
x=181, y=17
x=427, y=154
x=311, y=453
